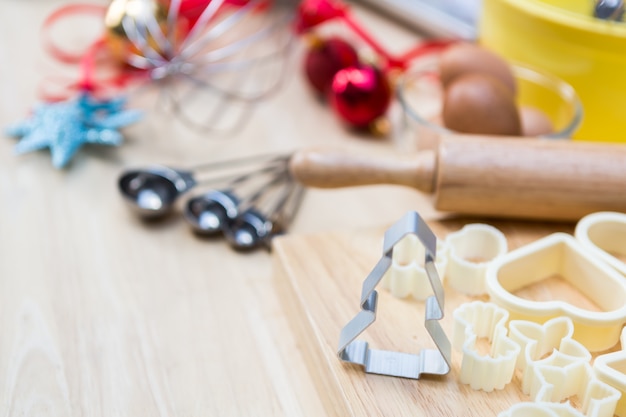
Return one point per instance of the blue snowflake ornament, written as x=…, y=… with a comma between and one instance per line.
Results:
x=65, y=126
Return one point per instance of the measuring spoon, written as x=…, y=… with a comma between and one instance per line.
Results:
x=152, y=192
x=252, y=228
x=209, y=212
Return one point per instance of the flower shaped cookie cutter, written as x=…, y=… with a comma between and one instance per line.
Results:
x=471, y=249
x=427, y=361
x=561, y=255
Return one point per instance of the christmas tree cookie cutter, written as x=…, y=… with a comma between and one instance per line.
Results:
x=405, y=365
x=561, y=255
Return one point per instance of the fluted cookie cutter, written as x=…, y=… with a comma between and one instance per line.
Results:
x=611, y=369
x=561, y=255
x=407, y=275
x=471, y=249
x=604, y=235
x=427, y=361
x=484, y=320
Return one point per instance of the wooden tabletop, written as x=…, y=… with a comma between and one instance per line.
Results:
x=104, y=315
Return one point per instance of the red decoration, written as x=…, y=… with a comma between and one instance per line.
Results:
x=191, y=10
x=360, y=95
x=314, y=12
x=325, y=58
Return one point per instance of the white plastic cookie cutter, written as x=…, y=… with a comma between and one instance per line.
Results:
x=556, y=367
x=561, y=255
x=560, y=376
x=471, y=249
x=407, y=275
x=565, y=371
x=604, y=235
x=611, y=369
x=484, y=320
x=539, y=340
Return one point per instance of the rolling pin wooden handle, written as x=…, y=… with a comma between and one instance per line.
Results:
x=335, y=169
x=490, y=176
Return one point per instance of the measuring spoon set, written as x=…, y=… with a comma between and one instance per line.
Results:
x=249, y=199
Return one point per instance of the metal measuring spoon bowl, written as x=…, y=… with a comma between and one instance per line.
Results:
x=210, y=212
x=151, y=192
x=249, y=230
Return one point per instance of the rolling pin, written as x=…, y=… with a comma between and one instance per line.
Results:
x=489, y=176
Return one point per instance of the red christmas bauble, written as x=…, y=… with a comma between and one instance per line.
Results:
x=325, y=58
x=360, y=95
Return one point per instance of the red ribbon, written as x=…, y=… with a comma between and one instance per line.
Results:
x=315, y=12
x=59, y=88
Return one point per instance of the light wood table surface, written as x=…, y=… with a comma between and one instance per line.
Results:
x=101, y=315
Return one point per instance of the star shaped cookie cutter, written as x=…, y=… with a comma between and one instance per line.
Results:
x=382, y=362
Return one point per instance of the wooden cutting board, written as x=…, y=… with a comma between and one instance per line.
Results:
x=319, y=279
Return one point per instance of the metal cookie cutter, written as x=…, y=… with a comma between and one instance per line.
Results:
x=604, y=235
x=610, y=368
x=561, y=255
x=427, y=361
x=471, y=250
x=407, y=275
x=485, y=372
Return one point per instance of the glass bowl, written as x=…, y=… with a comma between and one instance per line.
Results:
x=420, y=95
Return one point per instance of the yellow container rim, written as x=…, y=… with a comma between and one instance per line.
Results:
x=588, y=30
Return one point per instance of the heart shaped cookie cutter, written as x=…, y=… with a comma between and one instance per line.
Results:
x=604, y=235
x=561, y=255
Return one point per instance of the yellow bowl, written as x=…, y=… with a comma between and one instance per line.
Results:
x=562, y=38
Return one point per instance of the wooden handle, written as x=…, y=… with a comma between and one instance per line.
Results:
x=533, y=179
x=490, y=176
x=334, y=169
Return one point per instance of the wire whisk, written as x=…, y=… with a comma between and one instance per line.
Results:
x=231, y=57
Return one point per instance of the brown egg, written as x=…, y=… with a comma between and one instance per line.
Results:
x=535, y=122
x=480, y=104
x=464, y=58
